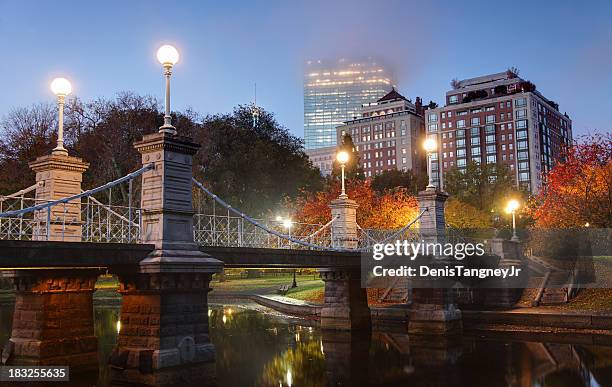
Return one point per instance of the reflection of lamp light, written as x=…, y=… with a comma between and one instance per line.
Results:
x=587, y=224
x=322, y=351
x=289, y=378
x=118, y=326
x=224, y=319
x=279, y=218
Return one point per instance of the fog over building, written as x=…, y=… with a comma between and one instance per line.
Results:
x=334, y=92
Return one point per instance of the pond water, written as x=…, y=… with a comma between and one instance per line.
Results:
x=261, y=349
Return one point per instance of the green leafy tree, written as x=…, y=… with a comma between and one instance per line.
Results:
x=352, y=169
x=483, y=186
x=253, y=167
x=388, y=180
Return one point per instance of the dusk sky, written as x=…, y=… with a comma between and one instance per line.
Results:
x=104, y=47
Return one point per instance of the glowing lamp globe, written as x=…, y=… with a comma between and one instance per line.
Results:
x=430, y=145
x=342, y=157
x=287, y=223
x=167, y=55
x=512, y=206
x=61, y=87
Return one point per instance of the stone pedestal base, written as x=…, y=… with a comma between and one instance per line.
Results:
x=346, y=302
x=434, y=313
x=53, y=319
x=164, y=323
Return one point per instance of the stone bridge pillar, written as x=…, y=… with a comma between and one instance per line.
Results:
x=58, y=176
x=164, y=314
x=346, y=302
x=53, y=319
x=433, y=310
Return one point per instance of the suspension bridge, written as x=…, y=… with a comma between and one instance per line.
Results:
x=57, y=238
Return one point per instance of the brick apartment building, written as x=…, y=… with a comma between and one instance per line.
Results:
x=388, y=134
x=498, y=118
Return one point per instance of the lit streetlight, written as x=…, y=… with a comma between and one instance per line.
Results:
x=61, y=87
x=287, y=224
x=430, y=147
x=511, y=208
x=168, y=56
x=343, y=158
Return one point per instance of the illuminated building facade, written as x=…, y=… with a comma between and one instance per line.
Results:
x=387, y=134
x=498, y=118
x=334, y=93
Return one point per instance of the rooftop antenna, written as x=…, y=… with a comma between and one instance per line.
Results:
x=255, y=110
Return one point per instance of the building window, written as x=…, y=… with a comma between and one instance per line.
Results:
x=522, y=113
x=490, y=129
x=460, y=133
x=521, y=145
x=523, y=176
x=522, y=124
x=461, y=163
x=520, y=102
x=453, y=99
x=460, y=152
x=491, y=159
x=475, y=151
x=432, y=127
x=461, y=143
x=523, y=155
x=475, y=132
x=433, y=117
x=491, y=149
x=461, y=123
x=520, y=134
x=474, y=141
x=475, y=121
x=490, y=139
x=490, y=119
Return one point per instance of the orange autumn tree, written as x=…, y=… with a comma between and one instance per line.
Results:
x=579, y=189
x=392, y=209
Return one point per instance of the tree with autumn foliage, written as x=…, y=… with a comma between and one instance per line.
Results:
x=579, y=189
x=462, y=215
x=389, y=210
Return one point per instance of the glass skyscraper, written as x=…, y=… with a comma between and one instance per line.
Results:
x=334, y=93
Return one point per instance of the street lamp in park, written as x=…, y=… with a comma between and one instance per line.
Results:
x=343, y=157
x=430, y=147
x=168, y=56
x=511, y=208
x=287, y=224
x=61, y=87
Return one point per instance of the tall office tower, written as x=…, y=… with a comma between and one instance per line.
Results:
x=334, y=93
x=499, y=118
x=388, y=135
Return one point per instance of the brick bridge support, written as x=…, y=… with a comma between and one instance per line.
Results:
x=58, y=176
x=345, y=301
x=53, y=316
x=164, y=314
x=433, y=310
x=53, y=319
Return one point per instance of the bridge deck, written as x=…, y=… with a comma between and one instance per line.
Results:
x=43, y=254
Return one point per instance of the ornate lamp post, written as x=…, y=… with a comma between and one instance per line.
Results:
x=343, y=158
x=61, y=88
x=430, y=146
x=168, y=56
x=511, y=208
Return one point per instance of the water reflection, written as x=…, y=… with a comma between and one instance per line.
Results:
x=255, y=349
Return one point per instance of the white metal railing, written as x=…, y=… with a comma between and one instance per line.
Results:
x=80, y=217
